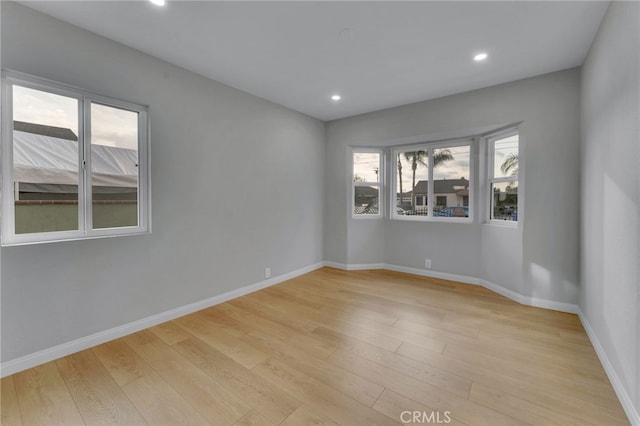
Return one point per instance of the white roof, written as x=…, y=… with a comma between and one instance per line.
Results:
x=48, y=160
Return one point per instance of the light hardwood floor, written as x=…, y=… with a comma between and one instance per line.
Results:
x=332, y=347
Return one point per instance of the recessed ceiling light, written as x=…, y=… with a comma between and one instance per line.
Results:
x=158, y=2
x=480, y=57
x=347, y=33
x=336, y=97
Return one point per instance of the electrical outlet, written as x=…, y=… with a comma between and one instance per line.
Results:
x=427, y=263
x=267, y=272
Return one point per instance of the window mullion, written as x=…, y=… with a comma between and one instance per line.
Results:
x=504, y=179
x=86, y=199
x=143, y=181
x=8, y=201
x=430, y=190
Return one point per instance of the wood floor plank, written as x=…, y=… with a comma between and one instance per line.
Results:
x=272, y=312
x=393, y=291
x=170, y=332
x=341, y=379
x=44, y=398
x=369, y=334
x=432, y=340
x=432, y=396
x=340, y=303
x=530, y=412
x=561, y=349
x=161, y=404
x=229, y=315
x=306, y=415
x=514, y=324
x=540, y=390
x=98, y=397
x=399, y=407
x=249, y=323
x=333, y=403
x=438, y=327
x=425, y=372
x=218, y=338
x=386, y=304
x=333, y=347
x=122, y=363
x=253, y=418
x=269, y=400
x=211, y=400
x=514, y=368
x=9, y=409
x=549, y=362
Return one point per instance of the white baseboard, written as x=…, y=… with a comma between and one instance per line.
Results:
x=510, y=294
x=356, y=266
x=434, y=274
x=28, y=361
x=335, y=265
x=623, y=396
x=55, y=352
x=551, y=304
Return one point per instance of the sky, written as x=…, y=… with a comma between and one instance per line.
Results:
x=110, y=126
x=365, y=165
x=503, y=148
x=118, y=128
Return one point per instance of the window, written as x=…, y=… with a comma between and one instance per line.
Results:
x=367, y=185
x=74, y=165
x=503, y=167
x=435, y=171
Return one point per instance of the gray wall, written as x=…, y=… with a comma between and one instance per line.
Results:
x=610, y=192
x=237, y=186
x=541, y=258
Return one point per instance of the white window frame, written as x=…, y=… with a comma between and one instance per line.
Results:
x=379, y=184
x=429, y=147
x=85, y=216
x=491, y=179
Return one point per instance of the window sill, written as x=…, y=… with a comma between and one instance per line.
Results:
x=366, y=217
x=56, y=237
x=503, y=224
x=422, y=219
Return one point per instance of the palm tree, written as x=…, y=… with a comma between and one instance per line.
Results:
x=418, y=158
x=441, y=156
x=415, y=157
x=510, y=164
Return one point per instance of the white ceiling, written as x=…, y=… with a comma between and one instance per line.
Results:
x=391, y=53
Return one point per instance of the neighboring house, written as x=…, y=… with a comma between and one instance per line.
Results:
x=447, y=193
x=366, y=199
x=404, y=202
x=46, y=165
x=46, y=174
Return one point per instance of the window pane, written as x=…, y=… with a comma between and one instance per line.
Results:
x=114, y=166
x=366, y=200
x=451, y=173
x=412, y=182
x=505, y=157
x=366, y=166
x=45, y=161
x=504, y=201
